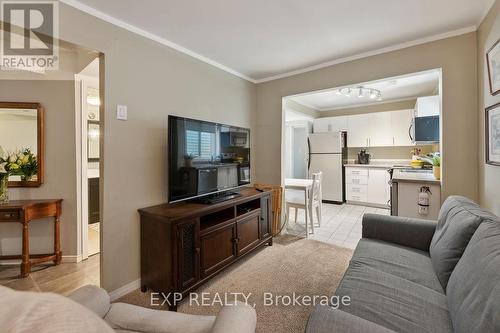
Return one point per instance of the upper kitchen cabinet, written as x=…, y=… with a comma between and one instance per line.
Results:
x=369, y=130
x=427, y=106
x=330, y=124
x=379, y=133
x=400, y=127
x=358, y=130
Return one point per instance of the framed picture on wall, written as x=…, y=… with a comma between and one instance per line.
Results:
x=492, y=130
x=493, y=61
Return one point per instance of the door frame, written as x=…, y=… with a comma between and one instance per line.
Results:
x=82, y=83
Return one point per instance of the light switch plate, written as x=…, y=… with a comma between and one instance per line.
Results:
x=121, y=112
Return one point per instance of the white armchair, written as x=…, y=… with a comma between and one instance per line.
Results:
x=91, y=311
x=131, y=318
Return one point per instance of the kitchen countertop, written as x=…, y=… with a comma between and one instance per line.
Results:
x=415, y=177
x=379, y=163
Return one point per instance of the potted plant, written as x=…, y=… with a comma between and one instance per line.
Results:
x=435, y=160
x=188, y=160
x=8, y=167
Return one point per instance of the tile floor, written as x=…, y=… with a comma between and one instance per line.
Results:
x=341, y=224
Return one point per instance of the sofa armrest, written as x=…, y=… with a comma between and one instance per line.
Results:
x=128, y=317
x=92, y=297
x=239, y=318
x=411, y=232
x=325, y=319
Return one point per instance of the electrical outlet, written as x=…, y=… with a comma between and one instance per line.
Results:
x=121, y=112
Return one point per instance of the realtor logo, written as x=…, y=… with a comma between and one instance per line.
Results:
x=29, y=36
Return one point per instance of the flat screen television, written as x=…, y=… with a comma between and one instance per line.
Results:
x=205, y=159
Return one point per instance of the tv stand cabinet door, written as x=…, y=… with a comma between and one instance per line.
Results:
x=248, y=233
x=188, y=253
x=266, y=216
x=217, y=249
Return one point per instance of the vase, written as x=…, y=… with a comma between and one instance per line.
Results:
x=437, y=172
x=4, y=190
x=188, y=163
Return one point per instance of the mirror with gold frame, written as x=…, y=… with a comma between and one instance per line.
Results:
x=21, y=137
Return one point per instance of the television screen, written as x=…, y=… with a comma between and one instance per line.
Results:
x=206, y=158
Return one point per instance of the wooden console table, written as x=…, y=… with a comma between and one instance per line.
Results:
x=24, y=212
x=185, y=244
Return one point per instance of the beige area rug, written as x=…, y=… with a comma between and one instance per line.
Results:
x=291, y=265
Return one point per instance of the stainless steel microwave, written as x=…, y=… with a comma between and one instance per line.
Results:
x=425, y=130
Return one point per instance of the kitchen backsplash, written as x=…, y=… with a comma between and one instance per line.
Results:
x=392, y=152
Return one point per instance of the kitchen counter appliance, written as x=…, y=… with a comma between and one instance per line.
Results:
x=363, y=157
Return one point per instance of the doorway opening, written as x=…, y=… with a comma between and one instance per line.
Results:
x=89, y=141
x=358, y=135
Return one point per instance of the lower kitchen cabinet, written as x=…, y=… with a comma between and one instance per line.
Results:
x=368, y=186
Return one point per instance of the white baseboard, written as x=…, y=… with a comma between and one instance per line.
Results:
x=64, y=260
x=122, y=291
x=71, y=259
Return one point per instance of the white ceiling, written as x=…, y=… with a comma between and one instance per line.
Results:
x=261, y=39
x=392, y=89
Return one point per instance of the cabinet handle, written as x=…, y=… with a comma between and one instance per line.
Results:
x=197, y=250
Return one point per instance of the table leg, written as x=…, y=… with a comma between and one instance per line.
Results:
x=25, y=260
x=57, y=241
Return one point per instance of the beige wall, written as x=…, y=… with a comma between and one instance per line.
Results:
x=391, y=106
x=489, y=175
x=457, y=58
x=153, y=81
x=58, y=99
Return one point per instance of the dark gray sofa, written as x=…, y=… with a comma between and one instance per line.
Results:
x=410, y=275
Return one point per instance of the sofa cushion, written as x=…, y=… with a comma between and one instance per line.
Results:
x=393, y=302
x=458, y=220
x=405, y=262
x=474, y=287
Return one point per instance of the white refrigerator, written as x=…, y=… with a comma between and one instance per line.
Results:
x=327, y=152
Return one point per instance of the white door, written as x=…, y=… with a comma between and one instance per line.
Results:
x=358, y=128
x=377, y=186
x=331, y=166
x=400, y=126
x=379, y=129
x=324, y=143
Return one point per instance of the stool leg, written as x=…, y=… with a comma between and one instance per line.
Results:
x=57, y=241
x=25, y=260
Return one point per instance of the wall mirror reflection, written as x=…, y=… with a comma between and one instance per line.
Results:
x=21, y=143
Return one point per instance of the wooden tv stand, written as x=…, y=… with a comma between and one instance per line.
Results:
x=185, y=244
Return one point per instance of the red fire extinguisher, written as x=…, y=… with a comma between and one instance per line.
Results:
x=424, y=196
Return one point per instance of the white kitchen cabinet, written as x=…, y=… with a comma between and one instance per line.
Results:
x=368, y=186
x=330, y=124
x=358, y=128
x=378, y=186
x=400, y=126
x=427, y=106
x=379, y=132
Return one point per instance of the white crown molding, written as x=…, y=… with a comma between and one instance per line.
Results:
x=124, y=290
x=146, y=34
x=110, y=19
x=397, y=47
x=485, y=13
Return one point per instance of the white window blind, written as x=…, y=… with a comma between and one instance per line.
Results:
x=200, y=144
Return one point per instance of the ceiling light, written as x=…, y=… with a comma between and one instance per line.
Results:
x=362, y=92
